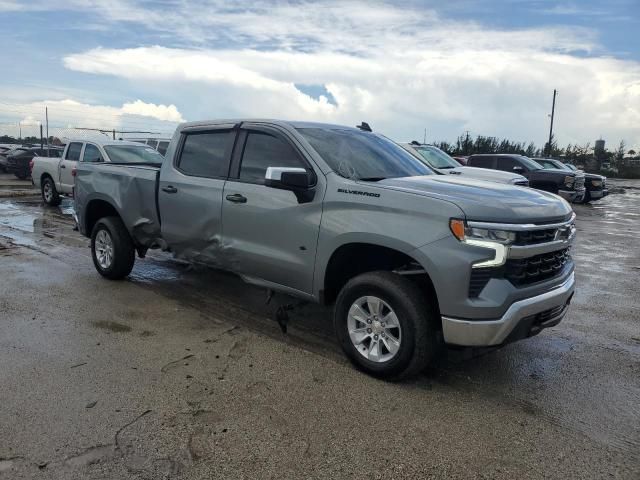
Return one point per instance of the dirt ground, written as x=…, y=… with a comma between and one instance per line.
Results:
x=181, y=372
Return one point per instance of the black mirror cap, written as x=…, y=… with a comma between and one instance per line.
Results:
x=300, y=183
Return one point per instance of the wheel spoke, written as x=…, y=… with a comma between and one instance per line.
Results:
x=374, y=351
x=358, y=314
x=374, y=305
x=392, y=344
x=359, y=336
x=390, y=320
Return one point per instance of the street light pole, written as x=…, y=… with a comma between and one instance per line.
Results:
x=553, y=111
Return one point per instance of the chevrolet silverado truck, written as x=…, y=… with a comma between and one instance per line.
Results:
x=595, y=185
x=569, y=185
x=410, y=260
x=443, y=163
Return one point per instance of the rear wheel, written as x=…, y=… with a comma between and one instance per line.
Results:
x=50, y=195
x=385, y=326
x=112, y=249
x=587, y=197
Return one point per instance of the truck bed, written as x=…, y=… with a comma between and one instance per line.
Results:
x=132, y=189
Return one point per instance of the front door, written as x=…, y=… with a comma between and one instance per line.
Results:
x=190, y=194
x=268, y=233
x=67, y=164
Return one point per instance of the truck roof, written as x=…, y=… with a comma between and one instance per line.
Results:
x=287, y=123
x=104, y=142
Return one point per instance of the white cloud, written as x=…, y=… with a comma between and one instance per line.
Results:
x=168, y=113
x=398, y=67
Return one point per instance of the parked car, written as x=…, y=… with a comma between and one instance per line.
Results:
x=595, y=185
x=159, y=144
x=569, y=185
x=443, y=163
x=461, y=160
x=18, y=160
x=335, y=214
x=55, y=176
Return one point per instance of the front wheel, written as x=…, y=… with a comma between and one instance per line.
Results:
x=112, y=249
x=385, y=326
x=50, y=195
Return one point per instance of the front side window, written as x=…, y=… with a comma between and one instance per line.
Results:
x=133, y=154
x=206, y=154
x=73, y=152
x=436, y=158
x=506, y=164
x=363, y=155
x=91, y=154
x=261, y=151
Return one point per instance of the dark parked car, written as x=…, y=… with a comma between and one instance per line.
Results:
x=595, y=185
x=568, y=184
x=18, y=160
x=4, y=151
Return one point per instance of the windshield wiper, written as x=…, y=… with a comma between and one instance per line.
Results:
x=445, y=167
x=372, y=179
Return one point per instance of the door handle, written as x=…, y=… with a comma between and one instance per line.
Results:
x=237, y=198
x=63, y=166
x=170, y=189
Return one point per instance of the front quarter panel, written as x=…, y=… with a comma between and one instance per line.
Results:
x=364, y=213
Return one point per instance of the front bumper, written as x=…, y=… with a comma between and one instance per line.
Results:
x=596, y=194
x=572, y=196
x=522, y=319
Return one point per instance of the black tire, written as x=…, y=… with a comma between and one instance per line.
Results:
x=21, y=175
x=123, y=249
x=418, y=321
x=54, y=199
x=587, y=197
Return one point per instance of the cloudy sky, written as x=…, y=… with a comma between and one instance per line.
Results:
x=486, y=66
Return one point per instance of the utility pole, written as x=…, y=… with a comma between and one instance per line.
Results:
x=553, y=111
x=46, y=116
x=425, y=137
x=41, y=140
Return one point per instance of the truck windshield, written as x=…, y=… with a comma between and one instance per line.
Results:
x=363, y=155
x=133, y=154
x=530, y=164
x=436, y=158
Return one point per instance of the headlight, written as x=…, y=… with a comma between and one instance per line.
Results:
x=568, y=181
x=496, y=240
x=596, y=183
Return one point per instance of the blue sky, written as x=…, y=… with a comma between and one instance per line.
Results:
x=485, y=66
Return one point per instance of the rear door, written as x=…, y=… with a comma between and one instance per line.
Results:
x=190, y=193
x=268, y=233
x=67, y=164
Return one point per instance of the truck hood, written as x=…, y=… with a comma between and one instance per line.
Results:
x=557, y=171
x=485, y=201
x=484, y=174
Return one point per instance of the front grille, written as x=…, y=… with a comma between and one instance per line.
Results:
x=532, y=237
x=578, y=183
x=524, y=271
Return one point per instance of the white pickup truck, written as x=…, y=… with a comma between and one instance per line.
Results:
x=55, y=176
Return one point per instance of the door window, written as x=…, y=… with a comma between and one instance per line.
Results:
x=261, y=151
x=206, y=154
x=506, y=164
x=162, y=147
x=91, y=154
x=73, y=152
x=481, y=162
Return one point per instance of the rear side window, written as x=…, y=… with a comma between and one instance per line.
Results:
x=162, y=147
x=152, y=143
x=91, y=154
x=206, y=154
x=73, y=152
x=481, y=162
x=506, y=164
x=261, y=151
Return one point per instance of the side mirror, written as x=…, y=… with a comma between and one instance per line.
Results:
x=298, y=180
x=287, y=178
x=518, y=169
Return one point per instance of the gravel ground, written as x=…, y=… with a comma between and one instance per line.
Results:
x=180, y=372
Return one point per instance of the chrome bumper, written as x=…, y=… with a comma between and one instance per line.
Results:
x=485, y=333
x=572, y=196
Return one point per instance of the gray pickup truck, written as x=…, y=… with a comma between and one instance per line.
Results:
x=337, y=215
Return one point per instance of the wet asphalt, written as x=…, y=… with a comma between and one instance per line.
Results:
x=181, y=372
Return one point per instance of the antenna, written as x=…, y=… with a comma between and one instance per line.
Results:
x=364, y=126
